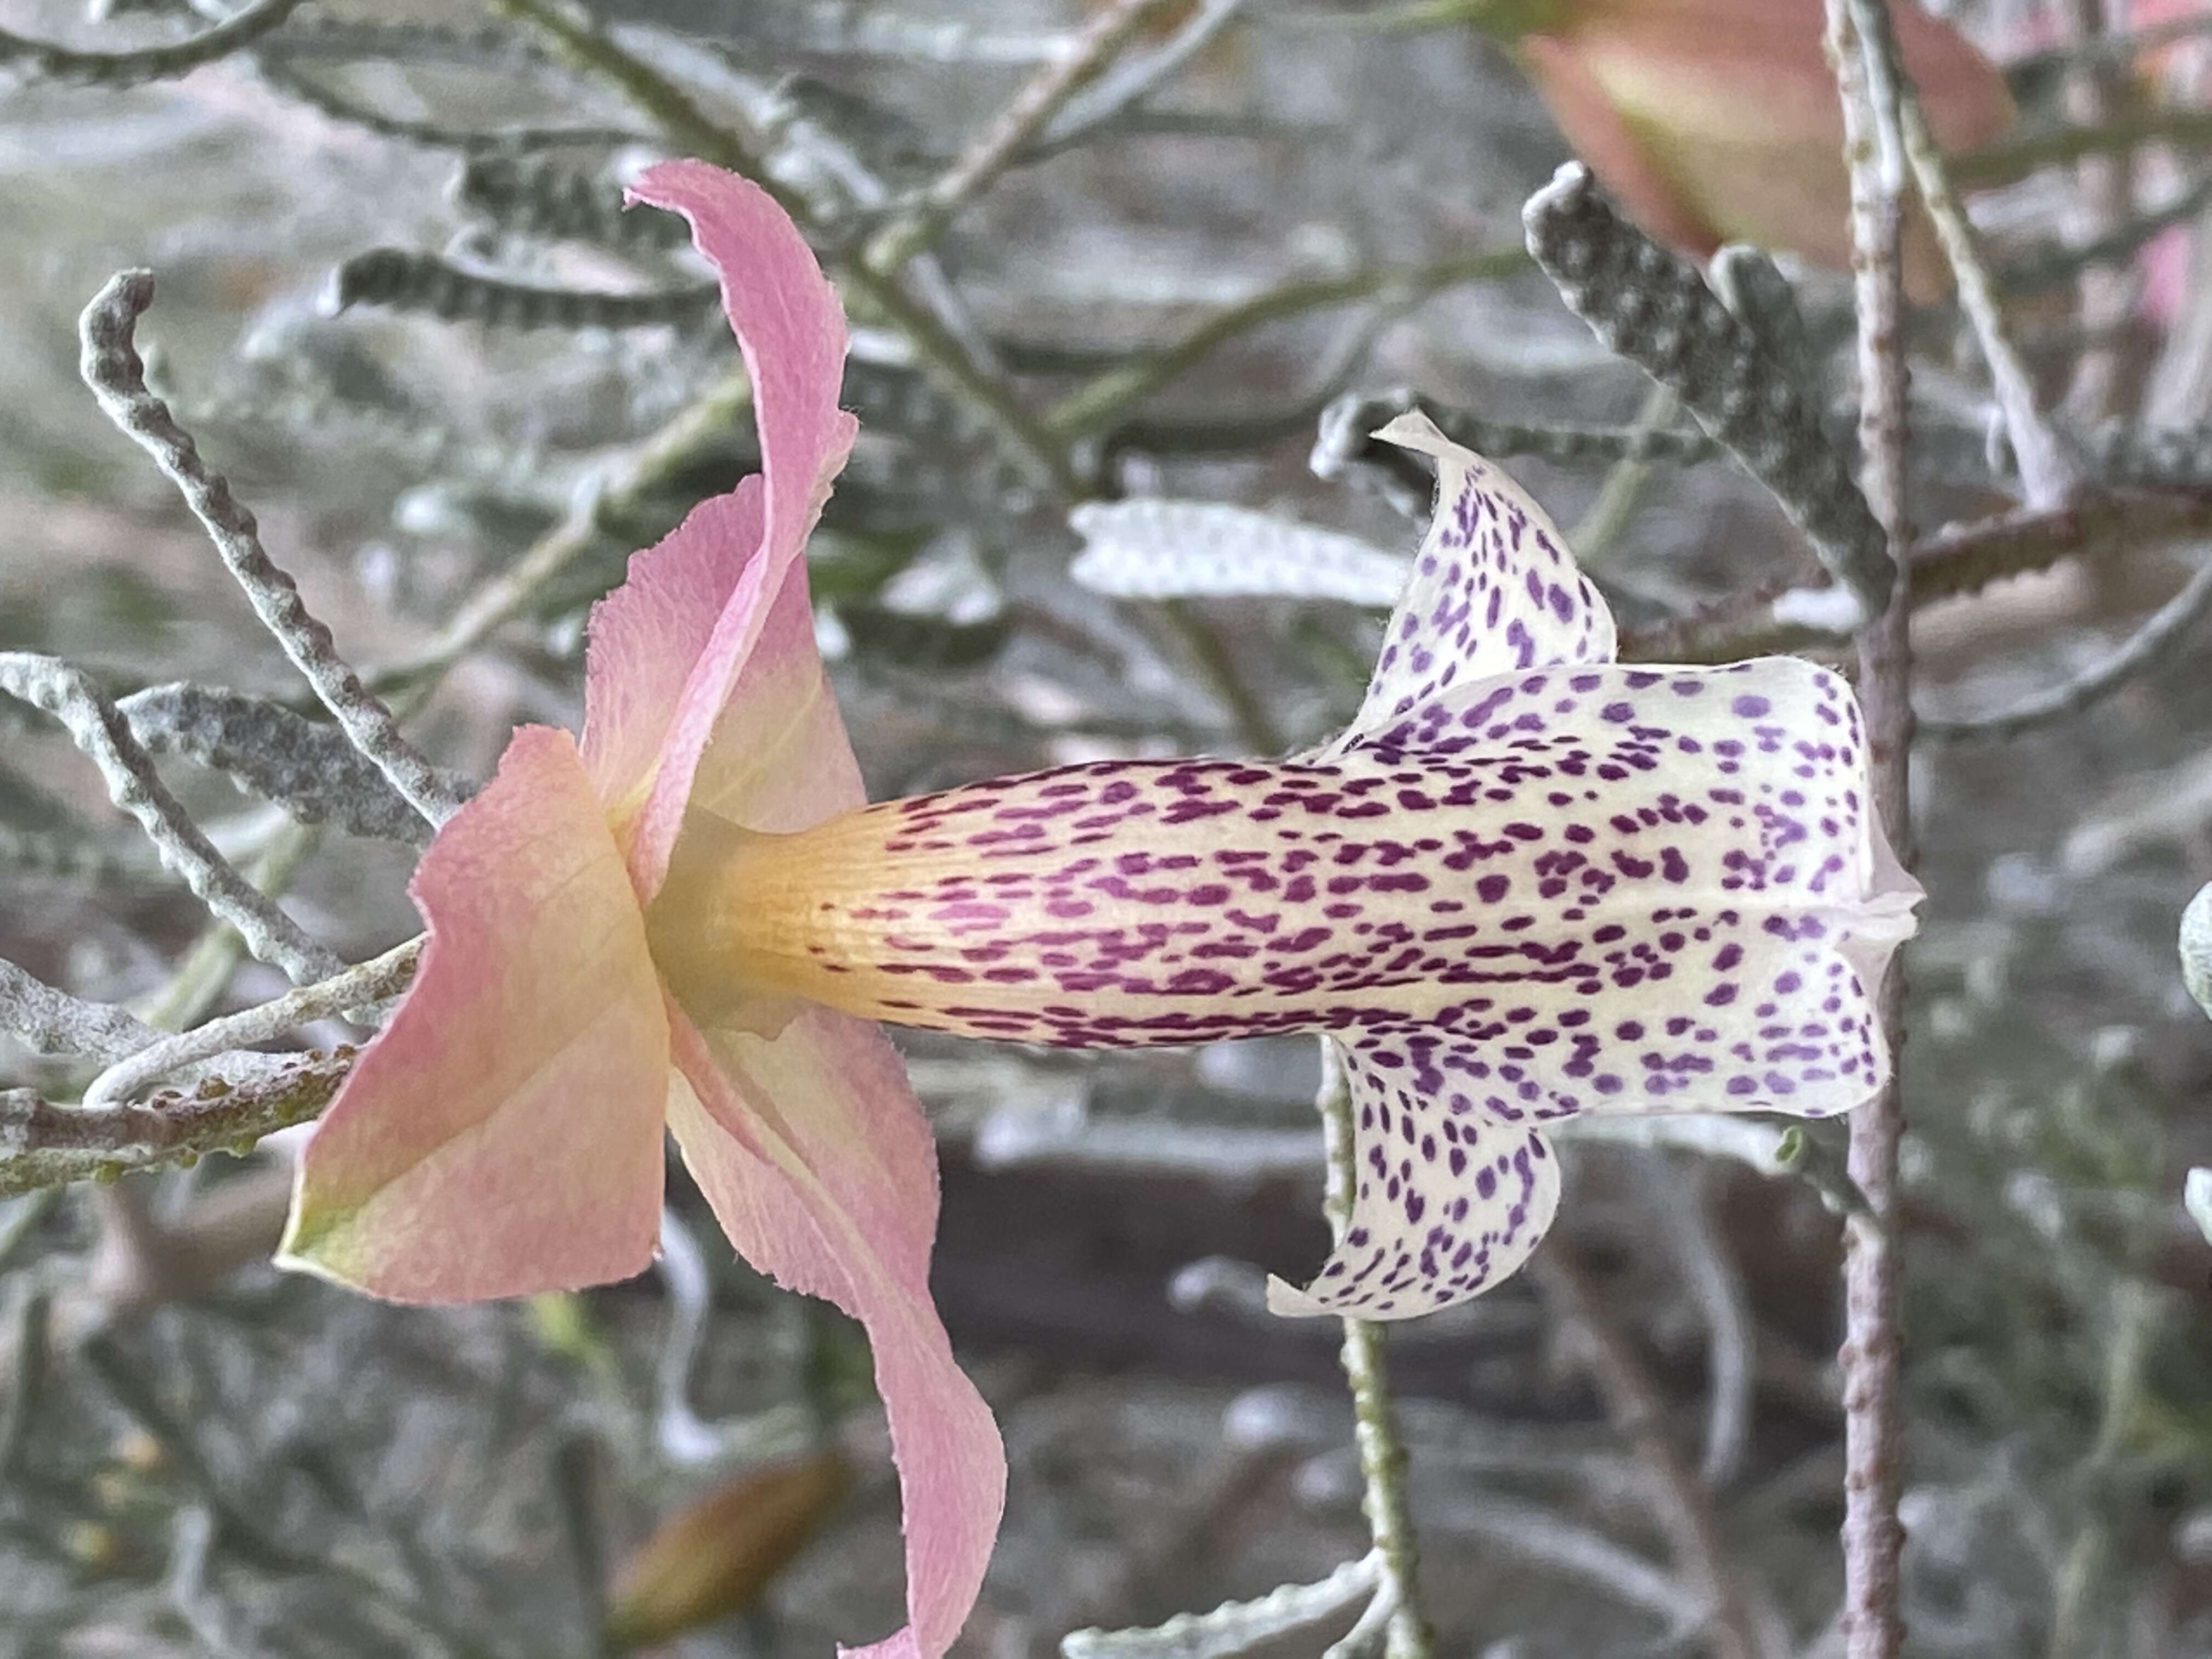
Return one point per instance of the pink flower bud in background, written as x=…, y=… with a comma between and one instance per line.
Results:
x=1716, y=121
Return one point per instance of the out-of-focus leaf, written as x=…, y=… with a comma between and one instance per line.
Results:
x=922, y=643
x=1165, y=550
x=2196, y=1197
x=2196, y=948
x=712, y=1556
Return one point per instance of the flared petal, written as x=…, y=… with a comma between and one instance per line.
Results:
x=1493, y=589
x=647, y=635
x=1450, y=1199
x=502, y=1134
x=1642, y=887
x=813, y=1152
x=791, y=333
x=778, y=758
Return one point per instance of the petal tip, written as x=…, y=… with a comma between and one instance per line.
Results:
x=1414, y=430
x=1286, y=1301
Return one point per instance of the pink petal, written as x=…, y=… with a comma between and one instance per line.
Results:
x=778, y=761
x=813, y=1152
x=1622, y=157
x=1450, y=1198
x=1717, y=120
x=1493, y=589
x=502, y=1134
x=648, y=634
x=791, y=333
x=779, y=758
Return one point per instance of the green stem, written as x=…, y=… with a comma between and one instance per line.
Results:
x=1381, y=1454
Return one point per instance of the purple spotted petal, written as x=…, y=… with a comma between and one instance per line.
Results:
x=1628, y=889
x=1450, y=1198
x=1494, y=590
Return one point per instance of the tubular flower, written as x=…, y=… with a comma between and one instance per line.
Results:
x=503, y=1134
x=1526, y=882
x=1717, y=121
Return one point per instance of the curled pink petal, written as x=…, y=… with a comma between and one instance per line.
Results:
x=791, y=333
x=502, y=1134
x=1450, y=1198
x=814, y=1154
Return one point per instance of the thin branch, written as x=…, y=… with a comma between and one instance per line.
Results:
x=110, y=364
x=369, y=982
x=51, y=1021
x=43, y=60
x=437, y=134
x=45, y=1145
x=699, y=428
x=2058, y=265
x=1959, y=559
x=100, y=731
x=1003, y=142
x=1120, y=90
x=2049, y=476
x=691, y=129
x=1873, y=1535
x=2167, y=626
x=1382, y=1456
x=1678, y=1500
x=1683, y=1210
x=2182, y=127
x=1602, y=521
x=1095, y=407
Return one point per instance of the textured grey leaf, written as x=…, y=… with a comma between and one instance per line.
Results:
x=1234, y=1627
x=1166, y=550
x=311, y=769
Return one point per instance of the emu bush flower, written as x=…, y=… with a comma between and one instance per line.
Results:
x=1716, y=121
x=1526, y=882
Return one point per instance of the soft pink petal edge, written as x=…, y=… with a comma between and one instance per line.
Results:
x=648, y=634
x=814, y=1155
x=501, y=1135
x=791, y=331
